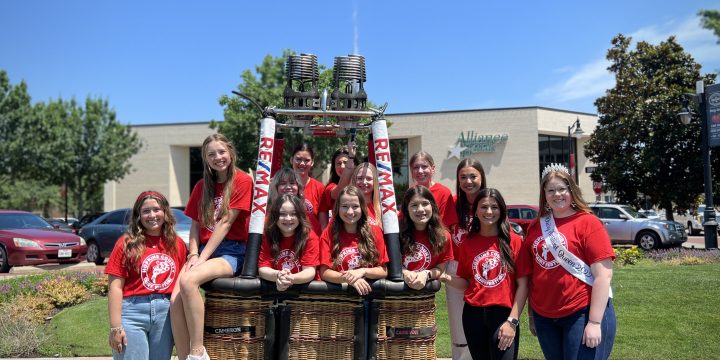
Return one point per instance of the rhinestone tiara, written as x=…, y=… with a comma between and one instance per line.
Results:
x=554, y=167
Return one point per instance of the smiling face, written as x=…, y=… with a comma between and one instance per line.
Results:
x=340, y=163
x=302, y=163
x=152, y=217
x=365, y=181
x=349, y=211
x=288, y=219
x=470, y=181
x=217, y=156
x=422, y=172
x=420, y=211
x=558, y=197
x=287, y=186
x=488, y=212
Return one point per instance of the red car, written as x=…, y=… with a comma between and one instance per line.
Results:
x=27, y=239
x=522, y=215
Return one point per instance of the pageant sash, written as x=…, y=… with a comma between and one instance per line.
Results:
x=571, y=263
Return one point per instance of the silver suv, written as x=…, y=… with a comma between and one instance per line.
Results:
x=625, y=225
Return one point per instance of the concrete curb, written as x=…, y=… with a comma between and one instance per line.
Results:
x=40, y=269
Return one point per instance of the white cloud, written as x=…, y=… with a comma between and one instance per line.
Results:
x=591, y=80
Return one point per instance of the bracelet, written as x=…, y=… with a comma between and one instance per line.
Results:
x=191, y=255
x=593, y=322
x=114, y=330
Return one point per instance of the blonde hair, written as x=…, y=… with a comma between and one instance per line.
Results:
x=578, y=203
x=376, y=188
x=207, y=205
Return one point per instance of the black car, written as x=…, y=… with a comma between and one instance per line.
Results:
x=102, y=233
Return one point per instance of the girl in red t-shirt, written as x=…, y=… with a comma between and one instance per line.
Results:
x=422, y=168
x=351, y=250
x=486, y=271
x=571, y=318
x=289, y=252
x=302, y=160
x=220, y=208
x=341, y=169
x=425, y=243
x=365, y=178
x=143, y=268
x=287, y=181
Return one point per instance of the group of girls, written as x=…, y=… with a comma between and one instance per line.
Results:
x=333, y=233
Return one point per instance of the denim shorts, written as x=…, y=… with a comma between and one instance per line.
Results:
x=231, y=251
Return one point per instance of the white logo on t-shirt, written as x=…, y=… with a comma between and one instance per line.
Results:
x=484, y=266
x=153, y=267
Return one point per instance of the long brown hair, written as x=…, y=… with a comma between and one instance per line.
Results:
x=366, y=240
x=503, y=226
x=579, y=203
x=135, y=232
x=210, y=176
x=376, y=188
x=462, y=204
x=437, y=234
x=273, y=233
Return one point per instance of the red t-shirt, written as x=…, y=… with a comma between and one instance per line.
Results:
x=158, y=269
x=554, y=292
x=480, y=264
x=459, y=233
x=371, y=217
x=313, y=196
x=240, y=200
x=423, y=258
x=328, y=203
x=286, y=258
x=349, y=252
x=446, y=204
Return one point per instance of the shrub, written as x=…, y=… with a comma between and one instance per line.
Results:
x=95, y=283
x=62, y=292
x=628, y=256
x=19, y=335
x=34, y=308
x=683, y=256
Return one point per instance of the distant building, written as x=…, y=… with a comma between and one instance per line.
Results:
x=513, y=144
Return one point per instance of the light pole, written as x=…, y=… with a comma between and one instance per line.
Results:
x=572, y=164
x=709, y=222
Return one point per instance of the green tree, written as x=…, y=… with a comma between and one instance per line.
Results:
x=639, y=145
x=97, y=149
x=710, y=19
x=266, y=85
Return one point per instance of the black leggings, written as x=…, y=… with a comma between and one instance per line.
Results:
x=481, y=325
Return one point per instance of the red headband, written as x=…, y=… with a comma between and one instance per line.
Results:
x=148, y=193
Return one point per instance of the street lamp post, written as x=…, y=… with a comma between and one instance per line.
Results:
x=572, y=163
x=709, y=221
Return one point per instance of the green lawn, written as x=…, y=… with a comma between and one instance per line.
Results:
x=664, y=312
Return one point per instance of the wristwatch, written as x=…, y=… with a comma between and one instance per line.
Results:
x=513, y=321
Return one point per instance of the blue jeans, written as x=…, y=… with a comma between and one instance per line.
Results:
x=231, y=251
x=561, y=338
x=146, y=321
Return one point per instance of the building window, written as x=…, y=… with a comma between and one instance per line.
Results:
x=554, y=149
x=401, y=173
x=196, y=166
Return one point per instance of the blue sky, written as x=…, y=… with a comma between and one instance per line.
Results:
x=170, y=61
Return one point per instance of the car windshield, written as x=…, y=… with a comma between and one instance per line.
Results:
x=181, y=217
x=632, y=212
x=23, y=221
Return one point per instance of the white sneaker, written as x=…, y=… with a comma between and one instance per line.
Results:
x=204, y=356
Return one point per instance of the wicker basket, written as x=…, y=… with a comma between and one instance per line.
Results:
x=325, y=327
x=406, y=327
x=235, y=326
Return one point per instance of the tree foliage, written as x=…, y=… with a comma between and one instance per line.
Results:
x=266, y=85
x=710, y=19
x=47, y=145
x=639, y=145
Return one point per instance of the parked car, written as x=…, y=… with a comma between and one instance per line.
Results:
x=522, y=215
x=84, y=220
x=59, y=224
x=692, y=219
x=625, y=225
x=27, y=239
x=102, y=233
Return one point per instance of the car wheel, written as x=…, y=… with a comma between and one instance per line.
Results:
x=648, y=240
x=4, y=261
x=692, y=230
x=93, y=253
